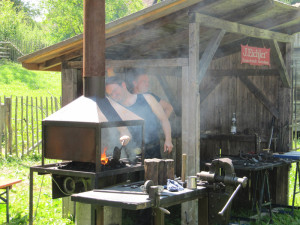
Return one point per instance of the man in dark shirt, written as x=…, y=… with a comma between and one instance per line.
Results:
x=145, y=106
x=137, y=82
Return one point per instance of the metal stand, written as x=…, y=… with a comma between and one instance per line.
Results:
x=6, y=201
x=262, y=180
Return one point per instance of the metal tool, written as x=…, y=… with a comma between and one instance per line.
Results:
x=271, y=133
x=154, y=194
x=220, y=187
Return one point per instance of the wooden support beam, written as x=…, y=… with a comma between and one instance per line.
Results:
x=209, y=53
x=176, y=62
x=285, y=111
x=30, y=66
x=260, y=96
x=244, y=72
x=58, y=60
x=233, y=27
x=146, y=63
x=204, y=92
x=277, y=60
x=168, y=92
x=191, y=118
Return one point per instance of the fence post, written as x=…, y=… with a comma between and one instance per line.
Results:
x=16, y=126
x=37, y=123
x=27, y=124
x=8, y=125
x=2, y=123
x=32, y=124
x=22, y=119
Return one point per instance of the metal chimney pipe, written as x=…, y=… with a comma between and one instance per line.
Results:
x=94, y=48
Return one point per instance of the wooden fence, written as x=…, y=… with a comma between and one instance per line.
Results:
x=17, y=48
x=21, y=123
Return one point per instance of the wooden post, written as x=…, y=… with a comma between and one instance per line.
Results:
x=46, y=106
x=2, y=123
x=56, y=107
x=52, y=105
x=162, y=178
x=151, y=170
x=37, y=123
x=27, y=122
x=22, y=124
x=71, y=84
x=285, y=119
x=183, y=168
x=169, y=169
x=159, y=217
x=42, y=111
x=32, y=125
x=16, y=125
x=8, y=126
x=191, y=119
x=203, y=211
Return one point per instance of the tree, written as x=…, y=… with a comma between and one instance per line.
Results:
x=17, y=26
x=10, y=20
x=64, y=19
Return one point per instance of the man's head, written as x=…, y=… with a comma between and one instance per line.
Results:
x=115, y=88
x=137, y=81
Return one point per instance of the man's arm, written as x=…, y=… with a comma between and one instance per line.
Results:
x=167, y=107
x=159, y=112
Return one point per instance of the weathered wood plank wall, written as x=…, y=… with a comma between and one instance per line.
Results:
x=232, y=95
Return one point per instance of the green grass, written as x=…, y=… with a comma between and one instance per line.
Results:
x=18, y=81
x=46, y=209
x=32, y=86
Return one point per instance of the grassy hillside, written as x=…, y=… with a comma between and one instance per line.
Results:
x=18, y=81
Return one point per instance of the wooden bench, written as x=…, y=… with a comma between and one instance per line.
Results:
x=7, y=184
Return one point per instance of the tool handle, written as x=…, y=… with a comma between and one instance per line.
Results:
x=164, y=210
x=183, y=168
x=221, y=213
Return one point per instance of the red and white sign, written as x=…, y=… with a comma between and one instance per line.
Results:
x=255, y=56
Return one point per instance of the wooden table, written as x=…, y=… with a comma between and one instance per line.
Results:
x=135, y=199
x=7, y=184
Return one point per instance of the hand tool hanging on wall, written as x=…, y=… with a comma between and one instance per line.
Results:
x=271, y=133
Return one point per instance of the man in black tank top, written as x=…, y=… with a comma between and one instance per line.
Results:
x=137, y=82
x=145, y=106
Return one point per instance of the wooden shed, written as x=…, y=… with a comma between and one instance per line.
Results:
x=192, y=50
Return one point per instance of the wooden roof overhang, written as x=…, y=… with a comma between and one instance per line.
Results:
x=162, y=31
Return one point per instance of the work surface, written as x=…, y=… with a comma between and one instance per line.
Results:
x=4, y=183
x=256, y=162
x=135, y=199
x=288, y=155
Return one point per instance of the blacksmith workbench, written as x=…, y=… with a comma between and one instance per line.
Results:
x=135, y=199
x=261, y=183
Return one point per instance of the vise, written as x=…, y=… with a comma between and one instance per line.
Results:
x=220, y=181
